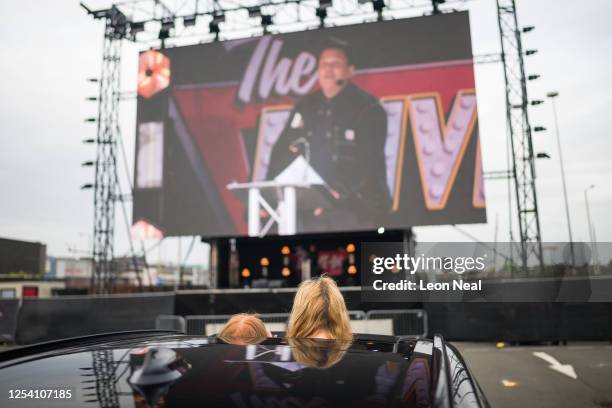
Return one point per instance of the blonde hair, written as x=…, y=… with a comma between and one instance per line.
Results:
x=244, y=325
x=318, y=307
x=315, y=353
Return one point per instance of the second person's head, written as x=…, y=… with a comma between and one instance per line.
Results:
x=319, y=311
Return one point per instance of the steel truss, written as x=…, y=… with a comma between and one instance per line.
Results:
x=106, y=182
x=189, y=21
x=519, y=130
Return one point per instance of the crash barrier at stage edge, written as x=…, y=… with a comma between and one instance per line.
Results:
x=67, y=316
x=212, y=324
x=171, y=322
x=475, y=320
x=521, y=322
x=44, y=319
x=9, y=309
x=405, y=322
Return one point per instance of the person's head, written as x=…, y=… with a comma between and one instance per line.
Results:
x=319, y=311
x=335, y=68
x=244, y=328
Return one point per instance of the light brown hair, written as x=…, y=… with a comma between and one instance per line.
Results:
x=315, y=353
x=244, y=325
x=319, y=311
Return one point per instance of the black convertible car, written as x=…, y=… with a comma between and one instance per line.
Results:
x=162, y=369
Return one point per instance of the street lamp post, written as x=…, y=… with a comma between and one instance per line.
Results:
x=552, y=95
x=592, y=236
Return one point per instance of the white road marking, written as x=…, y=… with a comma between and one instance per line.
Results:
x=565, y=369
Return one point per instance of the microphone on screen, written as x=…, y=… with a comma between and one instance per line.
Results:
x=340, y=82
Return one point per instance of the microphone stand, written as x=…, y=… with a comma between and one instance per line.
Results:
x=302, y=140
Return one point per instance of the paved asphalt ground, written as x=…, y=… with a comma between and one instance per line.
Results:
x=530, y=382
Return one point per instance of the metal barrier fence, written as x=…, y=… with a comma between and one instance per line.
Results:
x=211, y=324
x=406, y=322
x=357, y=315
x=171, y=322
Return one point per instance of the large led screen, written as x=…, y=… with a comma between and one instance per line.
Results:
x=339, y=129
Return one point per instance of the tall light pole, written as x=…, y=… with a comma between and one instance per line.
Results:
x=552, y=95
x=592, y=237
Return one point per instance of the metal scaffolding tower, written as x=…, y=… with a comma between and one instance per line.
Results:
x=106, y=183
x=519, y=129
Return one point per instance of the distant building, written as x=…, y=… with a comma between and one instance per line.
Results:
x=130, y=271
x=76, y=272
x=22, y=258
x=25, y=288
x=168, y=275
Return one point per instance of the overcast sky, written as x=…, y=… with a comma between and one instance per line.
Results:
x=48, y=49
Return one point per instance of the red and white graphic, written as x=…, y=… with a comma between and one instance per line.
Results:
x=332, y=262
x=142, y=230
x=153, y=73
